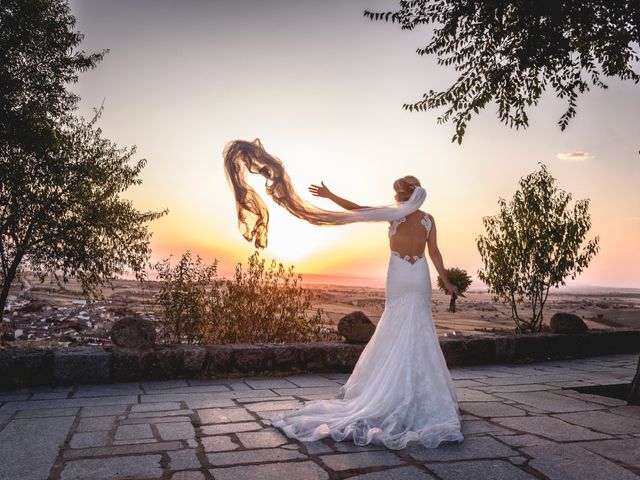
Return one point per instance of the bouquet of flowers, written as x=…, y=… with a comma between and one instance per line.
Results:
x=460, y=279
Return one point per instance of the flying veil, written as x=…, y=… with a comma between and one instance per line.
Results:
x=241, y=157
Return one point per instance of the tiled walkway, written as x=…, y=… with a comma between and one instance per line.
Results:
x=520, y=422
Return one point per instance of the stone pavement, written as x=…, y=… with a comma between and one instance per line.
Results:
x=520, y=422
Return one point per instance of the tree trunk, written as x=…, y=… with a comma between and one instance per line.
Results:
x=6, y=285
x=634, y=391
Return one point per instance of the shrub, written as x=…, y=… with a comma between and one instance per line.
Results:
x=259, y=304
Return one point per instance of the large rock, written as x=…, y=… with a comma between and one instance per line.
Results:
x=133, y=332
x=567, y=323
x=356, y=327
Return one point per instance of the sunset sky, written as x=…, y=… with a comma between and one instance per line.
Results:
x=323, y=88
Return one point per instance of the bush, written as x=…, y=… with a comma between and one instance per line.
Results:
x=184, y=294
x=259, y=304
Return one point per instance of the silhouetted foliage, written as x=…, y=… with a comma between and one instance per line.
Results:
x=259, y=304
x=60, y=206
x=533, y=244
x=38, y=60
x=511, y=51
x=184, y=297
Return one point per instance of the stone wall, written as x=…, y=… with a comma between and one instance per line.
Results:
x=26, y=367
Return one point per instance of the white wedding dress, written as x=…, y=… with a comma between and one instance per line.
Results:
x=400, y=389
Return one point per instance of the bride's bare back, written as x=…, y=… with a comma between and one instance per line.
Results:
x=408, y=236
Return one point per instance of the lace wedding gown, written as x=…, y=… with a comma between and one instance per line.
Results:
x=400, y=389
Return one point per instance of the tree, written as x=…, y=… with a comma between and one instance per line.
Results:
x=61, y=211
x=38, y=60
x=511, y=51
x=533, y=244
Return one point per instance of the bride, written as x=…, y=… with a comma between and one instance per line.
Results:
x=400, y=389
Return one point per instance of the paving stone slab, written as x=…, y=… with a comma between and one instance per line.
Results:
x=272, y=405
x=201, y=404
x=164, y=414
x=270, y=383
x=534, y=387
x=224, y=415
x=400, y=473
x=218, y=443
x=74, y=402
x=310, y=381
x=154, y=420
x=133, y=432
x=203, y=397
x=550, y=401
x=632, y=411
x=116, y=468
x=470, y=395
x=48, y=412
x=349, y=461
x=524, y=440
x=156, y=407
x=587, y=397
x=481, y=427
x=92, y=424
x=122, y=450
x=230, y=428
x=550, y=427
x=479, y=470
x=262, y=439
x=107, y=390
x=572, y=462
x=101, y=411
x=625, y=450
x=254, y=456
x=29, y=446
x=317, y=447
x=272, y=471
x=308, y=391
x=89, y=439
x=602, y=421
x=347, y=446
x=470, y=448
x=176, y=431
x=188, y=475
x=491, y=409
x=183, y=460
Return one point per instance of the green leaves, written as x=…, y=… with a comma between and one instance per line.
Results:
x=260, y=304
x=534, y=243
x=508, y=52
x=61, y=210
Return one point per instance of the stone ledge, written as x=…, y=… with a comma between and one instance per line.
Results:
x=30, y=367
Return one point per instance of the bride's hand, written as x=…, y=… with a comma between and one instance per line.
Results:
x=451, y=288
x=320, y=190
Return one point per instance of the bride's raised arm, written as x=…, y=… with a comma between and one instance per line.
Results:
x=323, y=191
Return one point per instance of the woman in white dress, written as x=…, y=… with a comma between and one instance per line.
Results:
x=400, y=389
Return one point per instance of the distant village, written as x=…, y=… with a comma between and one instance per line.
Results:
x=47, y=315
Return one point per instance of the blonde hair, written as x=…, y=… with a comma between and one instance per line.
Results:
x=406, y=185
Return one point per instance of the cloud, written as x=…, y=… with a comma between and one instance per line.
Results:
x=578, y=156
